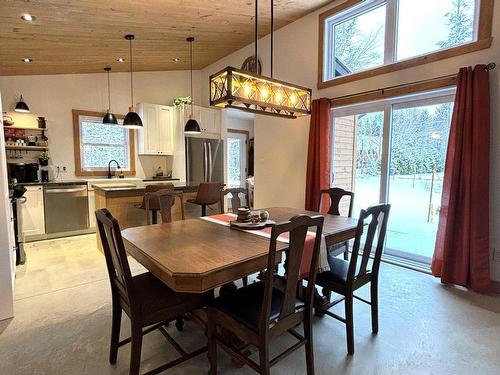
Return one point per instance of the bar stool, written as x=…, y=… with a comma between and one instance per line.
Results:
x=155, y=206
x=208, y=193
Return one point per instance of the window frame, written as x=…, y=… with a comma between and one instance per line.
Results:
x=77, y=146
x=483, y=39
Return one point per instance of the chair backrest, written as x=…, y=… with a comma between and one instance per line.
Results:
x=297, y=227
x=375, y=218
x=163, y=200
x=336, y=194
x=151, y=189
x=209, y=192
x=119, y=273
x=237, y=194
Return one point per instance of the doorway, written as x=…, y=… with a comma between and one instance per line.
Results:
x=394, y=151
x=237, y=152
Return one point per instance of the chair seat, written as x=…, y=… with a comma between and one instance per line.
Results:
x=245, y=304
x=337, y=274
x=155, y=298
x=194, y=201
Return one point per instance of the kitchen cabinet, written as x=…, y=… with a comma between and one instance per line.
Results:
x=157, y=136
x=92, y=219
x=32, y=211
x=209, y=119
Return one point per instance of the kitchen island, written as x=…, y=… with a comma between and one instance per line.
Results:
x=122, y=200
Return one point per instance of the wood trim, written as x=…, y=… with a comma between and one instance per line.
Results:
x=484, y=27
x=76, y=145
x=392, y=92
x=484, y=41
x=240, y=131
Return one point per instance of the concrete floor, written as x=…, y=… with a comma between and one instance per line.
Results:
x=63, y=316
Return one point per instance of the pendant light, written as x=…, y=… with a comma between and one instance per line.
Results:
x=192, y=126
x=21, y=106
x=252, y=92
x=109, y=118
x=132, y=119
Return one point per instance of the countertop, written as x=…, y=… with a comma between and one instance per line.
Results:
x=179, y=186
x=63, y=182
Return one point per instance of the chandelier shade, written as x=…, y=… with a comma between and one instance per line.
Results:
x=236, y=88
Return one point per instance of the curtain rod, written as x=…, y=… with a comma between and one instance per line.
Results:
x=489, y=66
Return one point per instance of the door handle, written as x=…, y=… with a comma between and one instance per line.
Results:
x=54, y=191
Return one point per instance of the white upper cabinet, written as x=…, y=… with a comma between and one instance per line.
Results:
x=157, y=136
x=209, y=119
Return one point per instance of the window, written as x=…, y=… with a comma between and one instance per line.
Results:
x=97, y=143
x=365, y=38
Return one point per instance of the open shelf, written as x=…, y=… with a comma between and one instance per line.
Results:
x=24, y=128
x=27, y=148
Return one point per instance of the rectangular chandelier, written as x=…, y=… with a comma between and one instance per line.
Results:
x=236, y=88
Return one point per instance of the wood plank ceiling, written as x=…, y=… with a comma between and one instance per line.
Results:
x=84, y=36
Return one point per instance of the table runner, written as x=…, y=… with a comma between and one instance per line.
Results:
x=224, y=219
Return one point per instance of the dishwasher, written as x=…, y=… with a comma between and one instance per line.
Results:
x=66, y=207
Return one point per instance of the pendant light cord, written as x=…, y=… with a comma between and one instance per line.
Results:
x=131, y=75
x=109, y=92
x=191, y=63
x=272, y=38
x=256, y=37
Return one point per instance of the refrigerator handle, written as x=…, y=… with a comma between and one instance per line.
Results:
x=210, y=166
x=205, y=162
x=188, y=161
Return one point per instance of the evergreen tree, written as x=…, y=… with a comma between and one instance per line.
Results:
x=460, y=23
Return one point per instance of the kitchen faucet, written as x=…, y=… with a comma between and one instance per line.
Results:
x=109, y=167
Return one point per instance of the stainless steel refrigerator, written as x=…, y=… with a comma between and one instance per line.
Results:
x=204, y=160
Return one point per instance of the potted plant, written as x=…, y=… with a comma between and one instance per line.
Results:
x=44, y=158
x=182, y=101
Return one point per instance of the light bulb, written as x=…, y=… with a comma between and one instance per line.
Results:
x=293, y=99
x=264, y=93
x=247, y=89
x=279, y=97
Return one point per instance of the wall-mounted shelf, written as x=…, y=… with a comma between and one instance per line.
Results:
x=24, y=128
x=27, y=148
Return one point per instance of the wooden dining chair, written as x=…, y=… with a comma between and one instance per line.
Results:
x=335, y=195
x=346, y=277
x=163, y=201
x=261, y=311
x=208, y=194
x=154, y=206
x=147, y=301
x=237, y=197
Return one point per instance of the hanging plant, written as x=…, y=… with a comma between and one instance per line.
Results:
x=182, y=101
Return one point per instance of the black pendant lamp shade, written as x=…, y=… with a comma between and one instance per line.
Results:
x=192, y=126
x=21, y=106
x=109, y=118
x=132, y=119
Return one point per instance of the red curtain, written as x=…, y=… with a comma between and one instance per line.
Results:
x=461, y=255
x=318, y=153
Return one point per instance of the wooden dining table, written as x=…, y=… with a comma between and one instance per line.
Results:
x=197, y=255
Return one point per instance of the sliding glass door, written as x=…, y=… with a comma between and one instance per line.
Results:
x=398, y=150
x=419, y=138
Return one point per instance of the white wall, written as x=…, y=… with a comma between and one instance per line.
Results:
x=296, y=60
x=54, y=96
x=6, y=255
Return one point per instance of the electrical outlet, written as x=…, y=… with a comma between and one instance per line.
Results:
x=61, y=169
